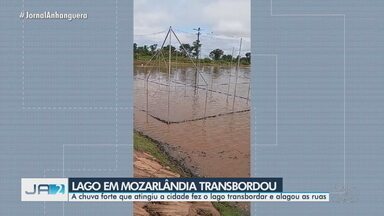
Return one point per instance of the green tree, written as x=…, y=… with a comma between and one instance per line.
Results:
x=216, y=54
x=227, y=58
x=248, y=56
x=166, y=49
x=142, y=50
x=196, y=48
x=247, y=59
x=188, y=49
x=153, y=48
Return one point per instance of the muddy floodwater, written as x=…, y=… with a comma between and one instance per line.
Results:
x=200, y=118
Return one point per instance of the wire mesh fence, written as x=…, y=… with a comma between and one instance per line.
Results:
x=175, y=92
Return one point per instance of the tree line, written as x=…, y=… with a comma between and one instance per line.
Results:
x=183, y=51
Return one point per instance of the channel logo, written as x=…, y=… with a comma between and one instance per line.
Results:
x=47, y=188
x=44, y=189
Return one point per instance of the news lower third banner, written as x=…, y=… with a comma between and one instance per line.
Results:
x=163, y=189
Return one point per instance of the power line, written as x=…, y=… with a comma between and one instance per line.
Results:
x=208, y=35
x=153, y=33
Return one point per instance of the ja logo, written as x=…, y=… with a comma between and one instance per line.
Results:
x=51, y=189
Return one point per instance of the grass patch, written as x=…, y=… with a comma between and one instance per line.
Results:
x=143, y=144
x=227, y=210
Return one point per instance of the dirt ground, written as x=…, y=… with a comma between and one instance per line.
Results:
x=147, y=166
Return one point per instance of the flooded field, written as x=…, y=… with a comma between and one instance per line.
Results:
x=200, y=121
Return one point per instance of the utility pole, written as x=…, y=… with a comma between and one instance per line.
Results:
x=198, y=42
x=237, y=74
x=230, y=73
x=169, y=71
x=197, y=52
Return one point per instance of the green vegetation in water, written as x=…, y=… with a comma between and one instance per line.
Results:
x=226, y=209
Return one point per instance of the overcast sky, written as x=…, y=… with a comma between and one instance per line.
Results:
x=223, y=22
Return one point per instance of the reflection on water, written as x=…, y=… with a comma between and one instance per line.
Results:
x=214, y=146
